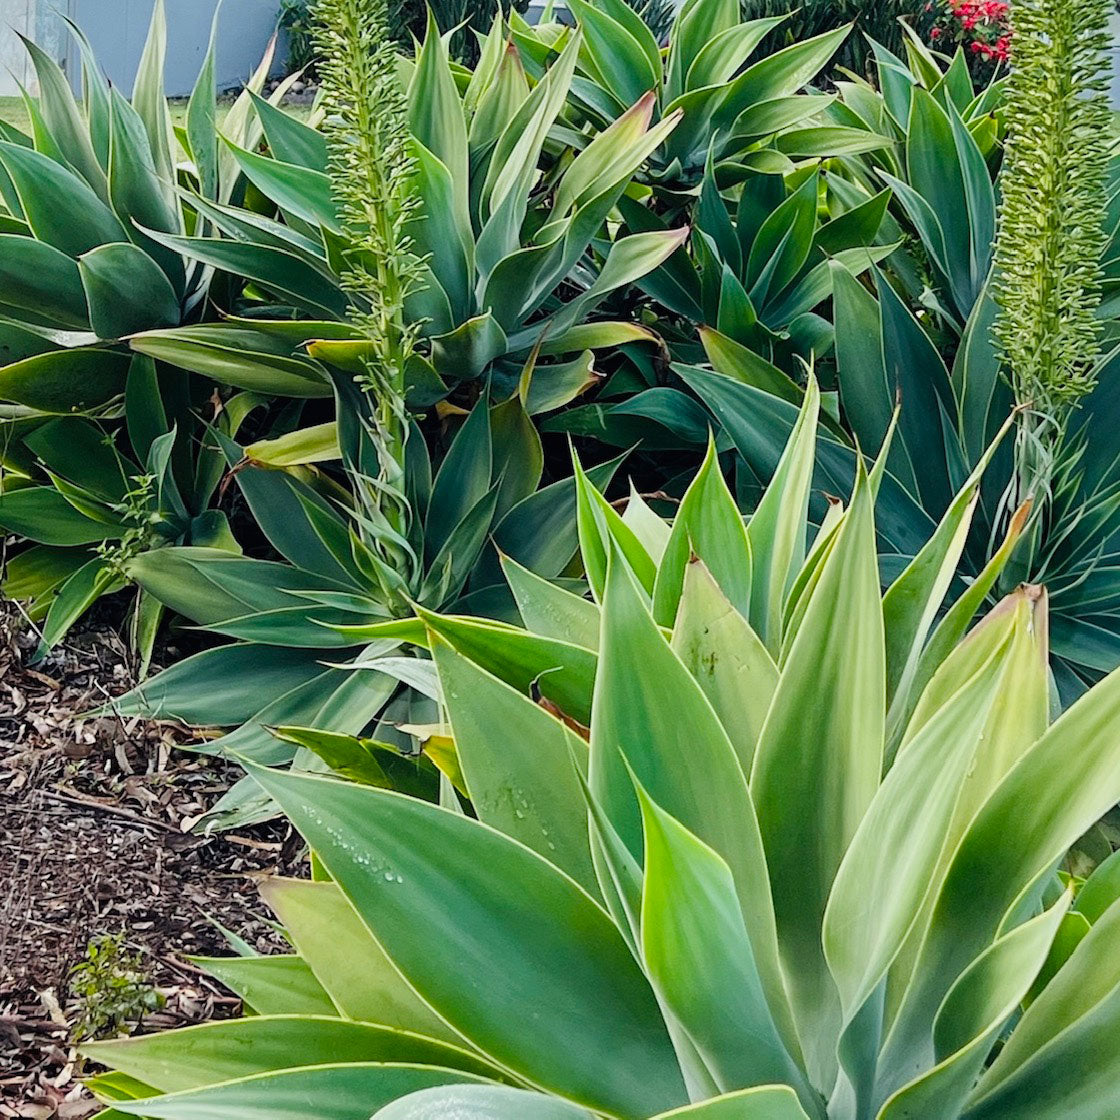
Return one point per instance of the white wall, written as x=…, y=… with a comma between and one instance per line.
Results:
x=15, y=15
x=117, y=29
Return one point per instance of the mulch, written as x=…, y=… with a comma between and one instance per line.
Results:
x=95, y=816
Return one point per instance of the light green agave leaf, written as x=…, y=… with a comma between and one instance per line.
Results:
x=767, y=1102
x=348, y=961
x=149, y=100
x=517, y=760
x=225, y=1051
x=969, y=1021
x=1077, y=1011
x=276, y=985
x=699, y=957
x=911, y=603
x=880, y=898
x=201, y=129
x=818, y=764
x=602, y=528
x=480, y=1102
x=776, y=530
x=1100, y=890
x=651, y=717
x=727, y=659
x=985, y=708
x=551, y=610
x=339, y=1092
x=435, y=116
x=953, y=625
x=648, y=527
x=316, y=444
x=63, y=118
x=564, y=673
x=708, y=525
x=432, y=918
x=1069, y=778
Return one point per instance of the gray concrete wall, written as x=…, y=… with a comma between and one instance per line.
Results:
x=117, y=29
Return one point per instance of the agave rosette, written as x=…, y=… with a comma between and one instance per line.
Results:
x=745, y=839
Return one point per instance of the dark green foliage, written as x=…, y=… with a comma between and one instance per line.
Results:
x=877, y=19
x=296, y=20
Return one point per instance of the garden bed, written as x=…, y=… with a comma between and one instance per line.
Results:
x=94, y=816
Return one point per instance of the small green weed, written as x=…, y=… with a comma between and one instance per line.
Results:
x=111, y=988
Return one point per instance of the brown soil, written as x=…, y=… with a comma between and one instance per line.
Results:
x=94, y=820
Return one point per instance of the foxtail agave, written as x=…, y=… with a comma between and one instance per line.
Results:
x=748, y=845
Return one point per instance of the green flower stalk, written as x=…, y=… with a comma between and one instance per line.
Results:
x=1051, y=230
x=371, y=168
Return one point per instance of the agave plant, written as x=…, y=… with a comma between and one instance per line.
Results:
x=509, y=260
x=86, y=199
x=698, y=860
x=324, y=636
x=743, y=116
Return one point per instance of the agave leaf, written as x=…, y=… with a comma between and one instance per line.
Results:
x=651, y=718
x=911, y=603
x=551, y=610
x=776, y=531
x=49, y=193
x=727, y=659
x=316, y=444
x=969, y=1021
x=63, y=118
x=201, y=127
x=126, y=291
x=1082, y=999
x=224, y=1051
x=709, y=526
x=41, y=279
x=767, y=1102
x=601, y=528
x=1070, y=778
x=699, y=957
x=275, y=985
x=348, y=961
x=481, y=1102
x=148, y=97
x=372, y=843
x=518, y=765
x=818, y=763
x=347, y=1091
x=564, y=673
x=65, y=381
x=289, y=139
x=294, y=189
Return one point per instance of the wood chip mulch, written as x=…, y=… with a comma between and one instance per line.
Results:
x=94, y=839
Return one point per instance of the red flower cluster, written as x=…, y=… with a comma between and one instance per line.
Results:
x=981, y=26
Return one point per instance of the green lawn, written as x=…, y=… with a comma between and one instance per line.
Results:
x=13, y=111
